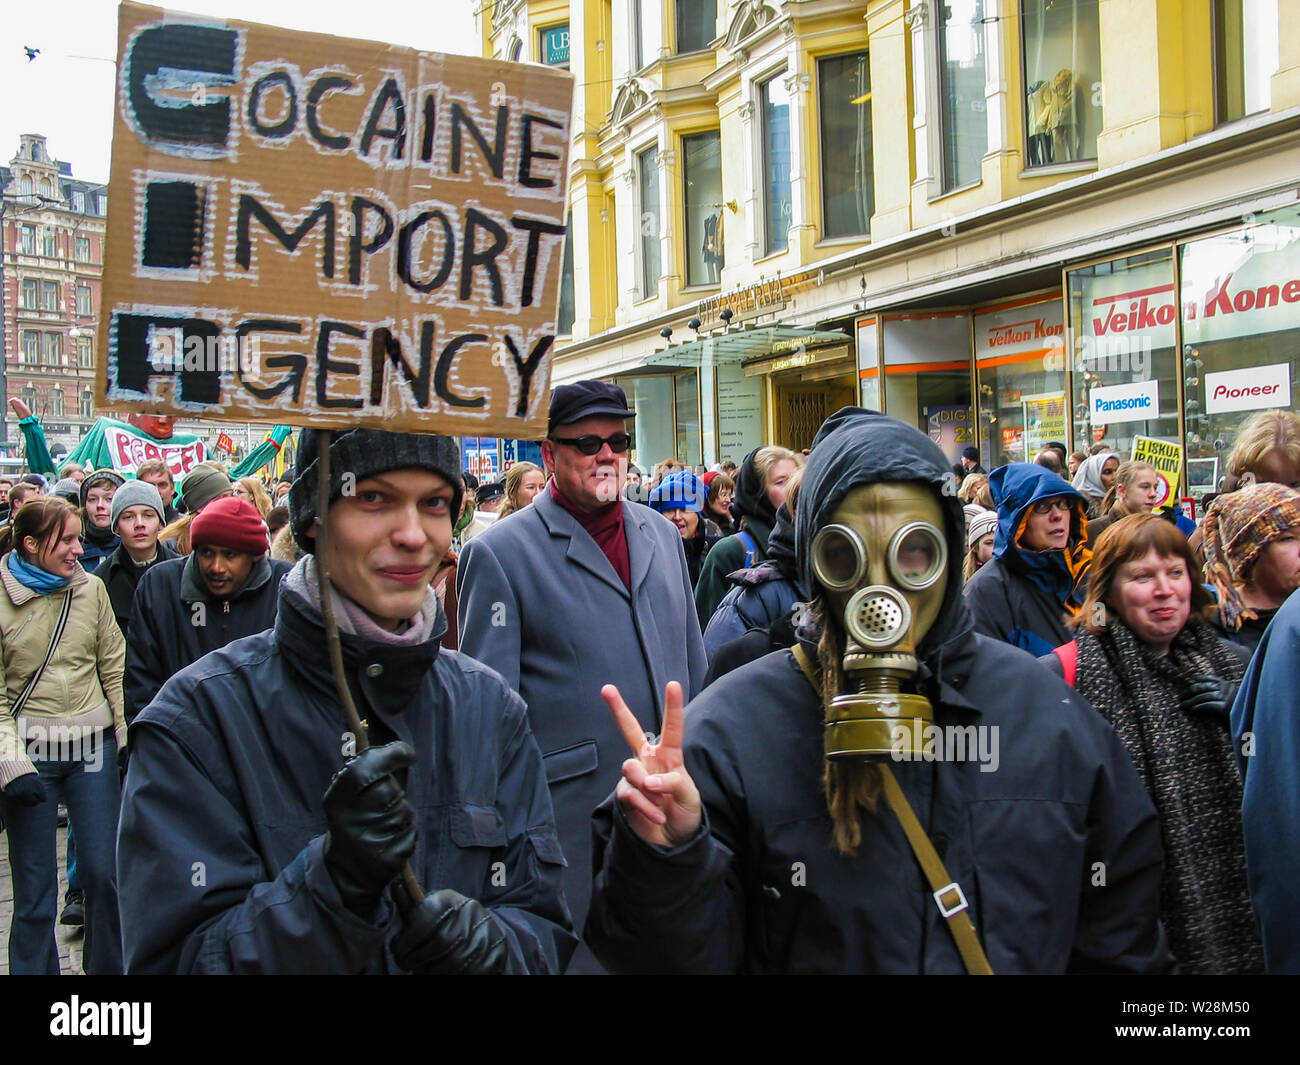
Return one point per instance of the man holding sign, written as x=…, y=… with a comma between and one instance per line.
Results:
x=252, y=842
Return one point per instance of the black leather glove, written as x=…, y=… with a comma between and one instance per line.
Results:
x=447, y=935
x=122, y=758
x=26, y=790
x=1210, y=697
x=371, y=832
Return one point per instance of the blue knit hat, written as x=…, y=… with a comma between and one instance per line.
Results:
x=679, y=491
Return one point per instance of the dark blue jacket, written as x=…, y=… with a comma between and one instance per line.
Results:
x=169, y=631
x=1051, y=836
x=220, y=851
x=1266, y=724
x=1020, y=596
x=762, y=594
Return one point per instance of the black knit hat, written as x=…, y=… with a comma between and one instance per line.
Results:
x=364, y=453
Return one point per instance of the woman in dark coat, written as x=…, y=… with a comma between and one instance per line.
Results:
x=1165, y=681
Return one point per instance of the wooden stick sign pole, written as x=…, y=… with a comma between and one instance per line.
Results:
x=410, y=885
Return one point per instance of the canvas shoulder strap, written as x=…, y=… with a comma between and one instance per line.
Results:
x=948, y=895
x=59, y=625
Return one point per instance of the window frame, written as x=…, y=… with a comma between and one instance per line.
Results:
x=84, y=289
x=29, y=294
x=30, y=347
x=690, y=239
x=767, y=246
x=645, y=289
x=81, y=246
x=824, y=154
x=948, y=184
x=677, y=22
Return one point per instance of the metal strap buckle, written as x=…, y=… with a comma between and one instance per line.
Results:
x=959, y=903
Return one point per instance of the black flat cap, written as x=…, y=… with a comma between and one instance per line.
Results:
x=585, y=399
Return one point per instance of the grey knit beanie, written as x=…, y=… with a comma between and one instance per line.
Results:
x=202, y=485
x=136, y=494
x=364, y=453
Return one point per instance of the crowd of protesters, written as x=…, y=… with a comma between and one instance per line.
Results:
x=766, y=637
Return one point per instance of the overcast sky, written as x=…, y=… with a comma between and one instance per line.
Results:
x=66, y=92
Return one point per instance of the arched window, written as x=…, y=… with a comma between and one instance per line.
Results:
x=87, y=404
x=56, y=403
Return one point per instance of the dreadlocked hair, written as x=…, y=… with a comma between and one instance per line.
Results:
x=851, y=784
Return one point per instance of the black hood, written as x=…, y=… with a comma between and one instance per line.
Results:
x=857, y=447
x=750, y=500
x=780, y=547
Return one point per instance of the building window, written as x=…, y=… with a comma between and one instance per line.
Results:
x=774, y=102
x=83, y=249
x=49, y=295
x=1245, y=56
x=27, y=239
x=554, y=51
x=567, y=312
x=49, y=243
x=963, y=124
x=101, y=204
x=702, y=202
x=83, y=298
x=1062, y=60
x=56, y=403
x=29, y=397
x=848, y=187
x=50, y=348
x=25, y=187
x=85, y=354
x=31, y=346
x=697, y=22
x=645, y=33
x=647, y=174
x=87, y=404
x=78, y=201
x=28, y=294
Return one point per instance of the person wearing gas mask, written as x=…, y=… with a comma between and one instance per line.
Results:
x=1035, y=579
x=783, y=822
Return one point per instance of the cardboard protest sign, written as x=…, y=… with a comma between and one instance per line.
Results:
x=313, y=230
x=1167, y=458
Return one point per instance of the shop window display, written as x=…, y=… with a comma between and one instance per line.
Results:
x=1061, y=45
x=1240, y=317
x=1020, y=366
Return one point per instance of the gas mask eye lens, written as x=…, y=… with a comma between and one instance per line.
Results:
x=918, y=555
x=839, y=557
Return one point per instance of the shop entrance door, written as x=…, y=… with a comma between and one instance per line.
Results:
x=801, y=409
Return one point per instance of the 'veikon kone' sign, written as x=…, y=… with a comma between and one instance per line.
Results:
x=308, y=229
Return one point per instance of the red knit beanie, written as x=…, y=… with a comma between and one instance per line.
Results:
x=229, y=522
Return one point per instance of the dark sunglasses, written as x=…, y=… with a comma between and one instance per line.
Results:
x=591, y=443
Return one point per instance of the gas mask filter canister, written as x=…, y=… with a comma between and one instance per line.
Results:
x=882, y=564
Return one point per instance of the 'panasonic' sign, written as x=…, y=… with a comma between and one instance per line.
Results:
x=1134, y=402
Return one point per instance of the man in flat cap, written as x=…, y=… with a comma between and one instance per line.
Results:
x=579, y=590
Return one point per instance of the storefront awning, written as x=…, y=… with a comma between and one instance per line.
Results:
x=746, y=345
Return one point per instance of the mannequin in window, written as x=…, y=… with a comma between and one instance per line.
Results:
x=711, y=250
x=1063, y=121
x=1038, y=109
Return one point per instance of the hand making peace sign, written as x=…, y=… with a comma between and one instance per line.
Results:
x=658, y=797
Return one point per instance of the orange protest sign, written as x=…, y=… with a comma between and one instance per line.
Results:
x=308, y=229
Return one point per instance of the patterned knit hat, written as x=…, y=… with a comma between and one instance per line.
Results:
x=1237, y=527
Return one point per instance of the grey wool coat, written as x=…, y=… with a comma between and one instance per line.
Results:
x=542, y=605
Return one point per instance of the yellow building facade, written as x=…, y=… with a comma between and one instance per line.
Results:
x=1002, y=221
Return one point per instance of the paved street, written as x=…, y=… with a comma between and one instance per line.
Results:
x=69, y=938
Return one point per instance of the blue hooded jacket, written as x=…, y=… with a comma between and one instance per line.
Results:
x=1022, y=596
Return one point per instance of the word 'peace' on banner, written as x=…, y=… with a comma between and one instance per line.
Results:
x=382, y=229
